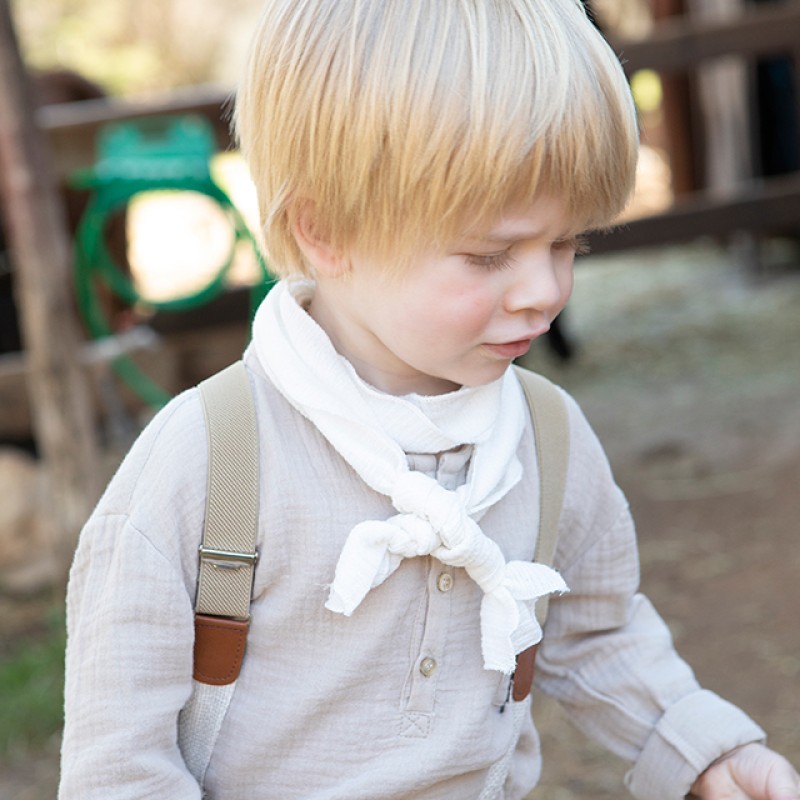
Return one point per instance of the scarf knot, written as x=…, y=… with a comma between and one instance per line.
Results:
x=416, y=493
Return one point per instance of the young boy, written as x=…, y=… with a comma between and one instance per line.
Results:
x=424, y=168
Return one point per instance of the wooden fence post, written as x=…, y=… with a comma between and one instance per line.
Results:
x=36, y=230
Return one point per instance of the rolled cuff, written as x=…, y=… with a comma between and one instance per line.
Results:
x=691, y=734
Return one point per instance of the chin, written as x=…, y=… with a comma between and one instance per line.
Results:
x=489, y=374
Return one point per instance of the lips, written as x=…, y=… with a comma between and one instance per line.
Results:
x=516, y=348
x=510, y=349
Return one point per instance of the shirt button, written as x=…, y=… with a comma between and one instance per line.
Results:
x=427, y=667
x=444, y=582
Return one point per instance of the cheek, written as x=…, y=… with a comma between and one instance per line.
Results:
x=444, y=308
x=466, y=310
x=436, y=324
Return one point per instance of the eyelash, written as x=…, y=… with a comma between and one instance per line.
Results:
x=580, y=244
x=504, y=260
x=491, y=260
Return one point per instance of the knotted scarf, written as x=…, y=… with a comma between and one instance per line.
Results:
x=373, y=431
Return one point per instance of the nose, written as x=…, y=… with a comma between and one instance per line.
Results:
x=542, y=283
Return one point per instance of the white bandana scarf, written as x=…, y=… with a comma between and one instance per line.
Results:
x=373, y=431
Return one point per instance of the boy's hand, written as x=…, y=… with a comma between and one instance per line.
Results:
x=751, y=772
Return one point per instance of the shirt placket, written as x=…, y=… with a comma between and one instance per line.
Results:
x=449, y=470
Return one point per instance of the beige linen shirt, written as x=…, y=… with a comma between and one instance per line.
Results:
x=392, y=702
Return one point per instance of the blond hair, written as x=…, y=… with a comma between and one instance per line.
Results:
x=403, y=121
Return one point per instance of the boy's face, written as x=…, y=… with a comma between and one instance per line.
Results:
x=454, y=317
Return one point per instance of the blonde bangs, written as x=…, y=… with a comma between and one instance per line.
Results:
x=407, y=121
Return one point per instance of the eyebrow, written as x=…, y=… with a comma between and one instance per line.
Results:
x=518, y=236
x=509, y=238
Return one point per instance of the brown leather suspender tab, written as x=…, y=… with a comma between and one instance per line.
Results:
x=219, y=646
x=523, y=674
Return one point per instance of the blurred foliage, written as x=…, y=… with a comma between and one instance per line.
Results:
x=128, y=46
x=31, y=688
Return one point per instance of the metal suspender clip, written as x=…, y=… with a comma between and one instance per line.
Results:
x=226, y=559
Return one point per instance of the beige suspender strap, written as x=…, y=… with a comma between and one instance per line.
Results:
x=551, y=434
x=228, y=553
x=227, y=563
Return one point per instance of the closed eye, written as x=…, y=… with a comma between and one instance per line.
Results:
x=501, y=260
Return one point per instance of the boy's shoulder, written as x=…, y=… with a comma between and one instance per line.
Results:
x=169, y=458
x=170, y=451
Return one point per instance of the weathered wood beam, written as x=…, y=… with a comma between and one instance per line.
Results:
x=768, y=206
x=39, y=243
x=71, y=128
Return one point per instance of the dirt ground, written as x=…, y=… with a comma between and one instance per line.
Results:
x=688, y=367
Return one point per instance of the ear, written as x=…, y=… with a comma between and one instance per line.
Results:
x=326, y=260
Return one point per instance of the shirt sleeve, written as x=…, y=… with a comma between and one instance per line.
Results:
x=130, y=619
x=128, y=670
x=608, y=657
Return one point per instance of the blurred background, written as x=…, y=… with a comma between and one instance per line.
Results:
x=129, y=268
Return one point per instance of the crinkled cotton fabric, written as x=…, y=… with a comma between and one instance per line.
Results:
x=328, y=706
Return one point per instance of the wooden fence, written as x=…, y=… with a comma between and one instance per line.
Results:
x=678, y=45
